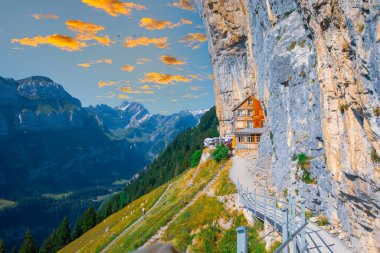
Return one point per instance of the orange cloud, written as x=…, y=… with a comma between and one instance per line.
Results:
x=114, y=7
x=186, y=21
x=193, y=38
x=143, y=60
x=129, y=89
x=155, y=77
x=145, y=41
x=88, y=64
x=148, y=92
x=128, y=68
x=183, y=4
x=61, y=41
x=107, y=83
x=171, y=60
x=45, y=16
x=194, y=76
x=154, y=24
x=87, y=31
x=123, y=96
x=145, y=87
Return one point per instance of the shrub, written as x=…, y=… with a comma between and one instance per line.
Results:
x=361, y=28
x=302, y=43
x=322, y=220
x=377, y=111
x=292, y=46
x=343, y=107
x=195, y=158
x=220, y=153
x=374, y=157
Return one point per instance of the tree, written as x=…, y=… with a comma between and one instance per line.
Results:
x=220, y=153
x=2, y=246
x=50, y=244
x=89, y=219
x=195, y=158
x=28, y=245
x=77, y=231
x=63, y=234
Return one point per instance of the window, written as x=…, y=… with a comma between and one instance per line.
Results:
x=240, y=113
x=249, y=124
x=251, y=138
x=258, y=137
x=249, y=101
x=240, y=138
x=250, y=113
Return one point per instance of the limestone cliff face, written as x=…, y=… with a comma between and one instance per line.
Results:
x=314, y=64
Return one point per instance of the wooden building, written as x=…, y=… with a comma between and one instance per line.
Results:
x=249, y=124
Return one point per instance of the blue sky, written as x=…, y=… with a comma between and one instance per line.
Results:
x=84, y=44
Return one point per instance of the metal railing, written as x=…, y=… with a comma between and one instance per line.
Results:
x=290, y=221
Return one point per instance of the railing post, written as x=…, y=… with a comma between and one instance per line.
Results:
x=294, y=225
x=275, y=209
x=255, y=197
x=265, y=205
x=303, y=221
x=285, y=228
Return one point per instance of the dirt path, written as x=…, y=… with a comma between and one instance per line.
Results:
x=134, y=223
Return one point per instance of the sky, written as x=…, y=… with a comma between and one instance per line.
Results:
x=106, y=51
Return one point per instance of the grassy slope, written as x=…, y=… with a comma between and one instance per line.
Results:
x=97, y=238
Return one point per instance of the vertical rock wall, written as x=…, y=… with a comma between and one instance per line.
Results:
x=314, y=64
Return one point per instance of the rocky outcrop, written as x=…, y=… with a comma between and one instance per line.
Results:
x=315, y=67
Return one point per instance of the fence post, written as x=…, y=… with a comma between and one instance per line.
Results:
x=255, y=203
x=303, y=220
x=275, y=209
x=265, y=205
x=285, y=228
x=294, y=225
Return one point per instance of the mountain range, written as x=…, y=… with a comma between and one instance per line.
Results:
x=50, y=143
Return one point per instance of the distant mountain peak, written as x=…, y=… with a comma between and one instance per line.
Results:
x=36, y=79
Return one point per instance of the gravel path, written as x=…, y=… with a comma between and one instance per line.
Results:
x=318, y=240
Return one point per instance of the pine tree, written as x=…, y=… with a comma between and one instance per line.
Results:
x=28, y=245
x=50, y=244
x=77, y=231
x=2, y=246
x=13, y=250
x=89, y=219
x=63, y=234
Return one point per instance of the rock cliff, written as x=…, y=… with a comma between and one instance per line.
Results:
x=314, y=64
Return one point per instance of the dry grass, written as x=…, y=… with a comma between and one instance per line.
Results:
x=97, y=237
x=6, y=203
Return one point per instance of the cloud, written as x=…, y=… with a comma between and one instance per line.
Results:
x=171, y=60
x=123, y=96
x=45, y=16
x=197, y=77
x=186, y=21
x=143, y=60
x=155, y=24
x=145, y=41
x=158, y=87
x=87, y=31
x=102, y=84
x=114, y=7
x=63, y=42
x=183, y=4
x=155, y=77
x=195, y=87
x=193, y=38
x=127, y=68
x=148, y=92
x=128, y=89
x=89, y=64
x=173, y=100
x=145, y=87
x=189, y=95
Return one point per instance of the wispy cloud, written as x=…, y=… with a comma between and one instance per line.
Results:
x=127, y=68
x=63, y=42
x=183, y=4
x=129, y=89
x=155, y=77
x=195, y=88
x=89, y=64
x=123, y=96
x=192, y=96
x=194, y=38
x=171, y=60
x=102, y=84
x=155, y=24
x=114, y=7
x=45, y=16
x=87, y=31
x=145, y=41
x=141, y=61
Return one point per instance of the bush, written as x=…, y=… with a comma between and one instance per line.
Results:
x=322, y=220
x=220, y=153
x=195, y=158
x=292, y=46
x=374, y=157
